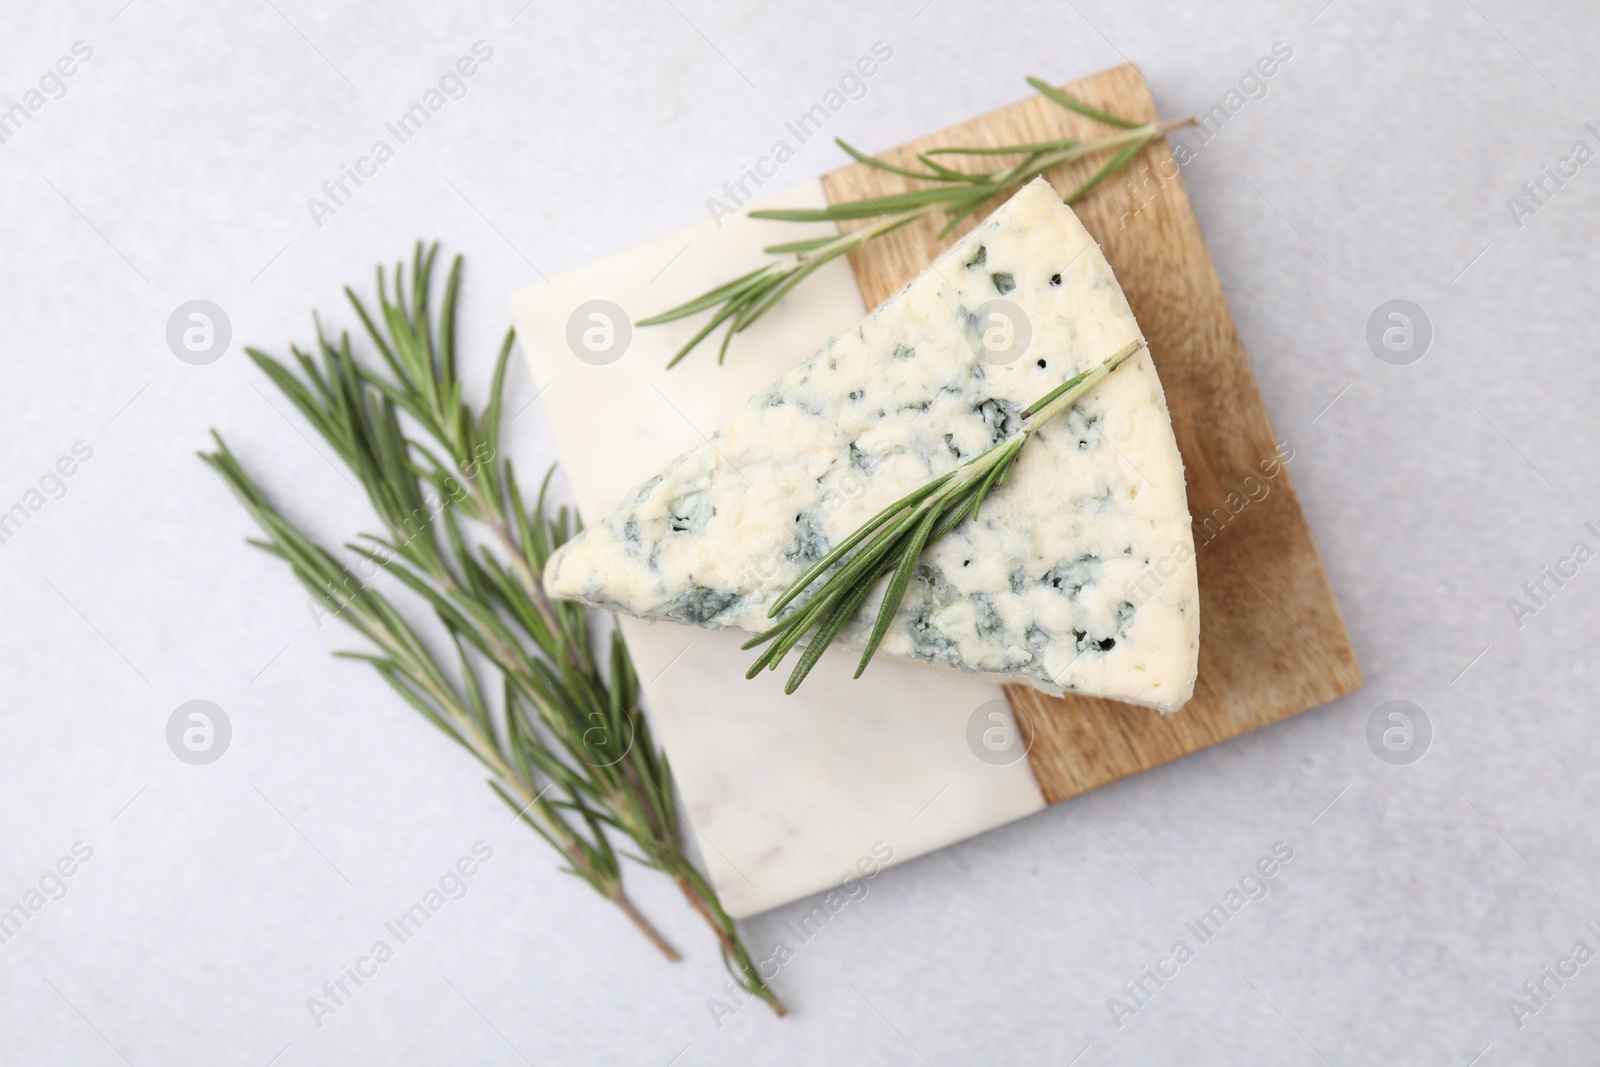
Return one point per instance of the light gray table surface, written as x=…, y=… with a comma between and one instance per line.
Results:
x=176, y=163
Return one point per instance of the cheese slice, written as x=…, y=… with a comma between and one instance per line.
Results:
x=1078, y=575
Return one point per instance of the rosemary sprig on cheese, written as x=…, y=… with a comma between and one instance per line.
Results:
x=958, y=194
x=568, y=747
x=899, y=534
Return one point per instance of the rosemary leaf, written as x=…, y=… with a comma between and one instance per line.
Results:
x=1050, y=92
x=709, y=299
x=878, y=164
x=870, y=208
x=1114, y=164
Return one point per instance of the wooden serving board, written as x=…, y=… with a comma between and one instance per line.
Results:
x=1272, y=641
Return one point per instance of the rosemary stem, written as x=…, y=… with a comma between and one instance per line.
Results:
x=733, y=950
x=490, y=756
x=620, y=899
x=853, y=239
x=1051, y=160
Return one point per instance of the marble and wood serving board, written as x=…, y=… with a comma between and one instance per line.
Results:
x=788, y=794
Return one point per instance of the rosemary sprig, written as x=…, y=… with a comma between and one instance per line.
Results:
x=892, y=541
x=524, y=770
x=958, y=194
x=569, y=714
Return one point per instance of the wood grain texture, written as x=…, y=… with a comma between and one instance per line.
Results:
x=1272, y=641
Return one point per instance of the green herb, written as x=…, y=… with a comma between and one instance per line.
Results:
x=898, y=536
x=959, y=194
x=567, y=747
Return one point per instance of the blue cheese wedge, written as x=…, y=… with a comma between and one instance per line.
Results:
x=1079, y=573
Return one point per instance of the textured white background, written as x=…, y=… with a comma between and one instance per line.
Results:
x=1377, y=167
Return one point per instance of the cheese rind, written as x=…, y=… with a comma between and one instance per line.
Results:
x=1078, y=574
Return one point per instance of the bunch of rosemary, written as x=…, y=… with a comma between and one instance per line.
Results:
x=566, y=745
x=740, y=303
